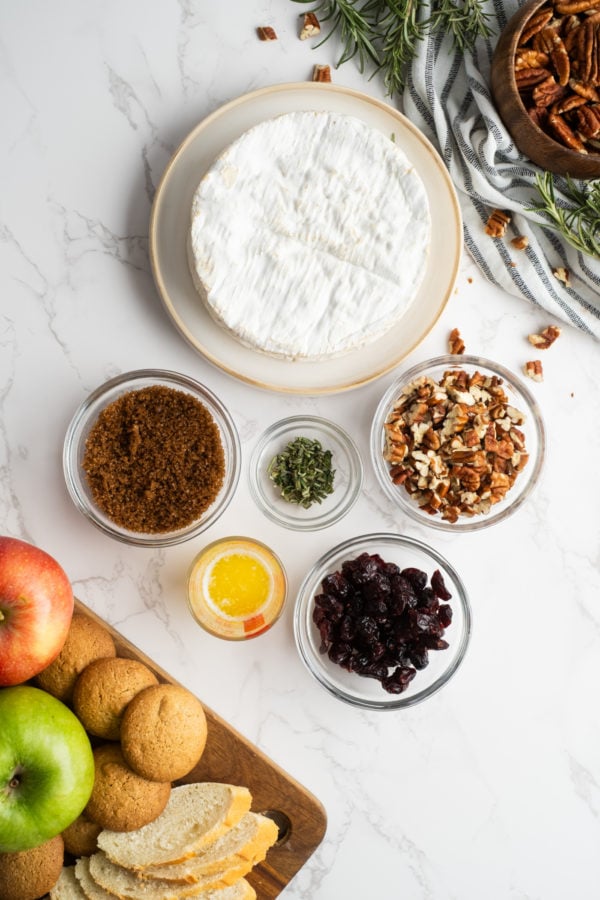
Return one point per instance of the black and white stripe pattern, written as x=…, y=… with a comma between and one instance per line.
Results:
x=447, y=96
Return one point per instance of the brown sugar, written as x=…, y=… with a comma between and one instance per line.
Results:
x=154, y=460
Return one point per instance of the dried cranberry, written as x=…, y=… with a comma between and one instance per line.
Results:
x=336, y=584
x=419, y=657
x=399, y=680
x=417, y=578
x=438, y=585
x=445, y=615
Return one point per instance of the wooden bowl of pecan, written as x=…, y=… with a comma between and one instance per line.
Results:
x=545, y=80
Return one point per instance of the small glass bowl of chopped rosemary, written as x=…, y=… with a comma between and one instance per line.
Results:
x=305, y=473
x=458, y=443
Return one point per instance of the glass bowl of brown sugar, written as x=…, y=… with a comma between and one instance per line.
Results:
x=152, y=458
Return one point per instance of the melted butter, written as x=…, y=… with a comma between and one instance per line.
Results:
x=239, y=584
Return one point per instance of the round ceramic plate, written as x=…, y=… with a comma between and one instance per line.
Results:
x=169, y=224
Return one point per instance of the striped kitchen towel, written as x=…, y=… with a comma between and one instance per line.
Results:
x=447, y=96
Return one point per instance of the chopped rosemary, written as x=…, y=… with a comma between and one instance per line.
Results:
x=303, y=472
x=387, y=33
x=577, y=220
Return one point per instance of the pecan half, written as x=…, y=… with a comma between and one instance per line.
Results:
x=565, y=134
x=538, y=21
x=573, y=7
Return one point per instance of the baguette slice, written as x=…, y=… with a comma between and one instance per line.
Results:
x=91, y=889
x=245, y=843
x=195, y=815
x=127, y=885
x=67, y=887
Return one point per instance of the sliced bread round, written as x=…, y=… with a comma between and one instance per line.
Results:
x=67, y=887
x=195, y=815
x=245, y=843
x=126, y=884
x=91, y=889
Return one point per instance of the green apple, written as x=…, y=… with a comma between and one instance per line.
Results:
x=46, y=767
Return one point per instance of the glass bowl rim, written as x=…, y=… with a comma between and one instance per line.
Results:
x=304, y=599
x=347, y=499
x=128, y=381
x=467, y=524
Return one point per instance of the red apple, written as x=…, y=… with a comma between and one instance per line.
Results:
x=36, y=607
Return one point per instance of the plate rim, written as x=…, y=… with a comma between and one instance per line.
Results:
x=226, y=109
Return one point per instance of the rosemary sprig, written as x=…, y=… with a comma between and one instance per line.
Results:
x=577, y=220
x=387, y=33
x=303, y=472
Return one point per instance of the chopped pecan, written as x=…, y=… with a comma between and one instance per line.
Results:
x=456, y=345
x=310, y=26
x=533, y=369
x=546, y=338
x=266, y=33
x=455, y=472
x=520, y=242
x=321, y=73
x=497, y=223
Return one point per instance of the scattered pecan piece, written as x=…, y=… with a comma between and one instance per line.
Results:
x=546, y=338
x=497, y=223
x=533, y=369
x=562, y=274
x=456, y=345
x=310, y=26
x=266, y=33
x=321, y=73
x=520, y=242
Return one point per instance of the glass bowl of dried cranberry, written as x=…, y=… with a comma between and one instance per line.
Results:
x=458, y=442
x=382, y=621
x=152, y=457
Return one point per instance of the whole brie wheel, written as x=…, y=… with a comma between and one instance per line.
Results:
x=309, y=235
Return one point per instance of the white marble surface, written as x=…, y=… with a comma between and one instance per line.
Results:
x=492, y=787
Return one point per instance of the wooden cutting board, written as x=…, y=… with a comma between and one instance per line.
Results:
x=230, y=758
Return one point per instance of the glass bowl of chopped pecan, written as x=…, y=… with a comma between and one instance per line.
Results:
x=458, y=442
x=152, y=458
x=545, y=81
x=382, y=621
x=305, y=473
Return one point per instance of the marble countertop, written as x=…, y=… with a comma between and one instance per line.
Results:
x=491, y=788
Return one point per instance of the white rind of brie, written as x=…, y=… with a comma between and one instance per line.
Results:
x=309, y=235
